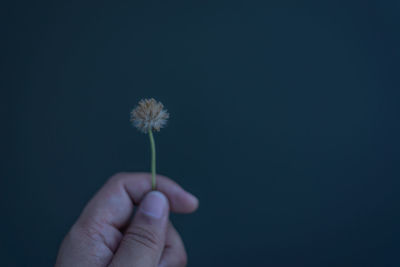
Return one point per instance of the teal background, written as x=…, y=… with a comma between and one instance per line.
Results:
x=284, y=122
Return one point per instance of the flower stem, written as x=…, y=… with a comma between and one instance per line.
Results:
x=153, y=160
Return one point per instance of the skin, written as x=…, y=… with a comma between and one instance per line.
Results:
x=105, y=234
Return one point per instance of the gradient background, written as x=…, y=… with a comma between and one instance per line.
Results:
x=285, y=123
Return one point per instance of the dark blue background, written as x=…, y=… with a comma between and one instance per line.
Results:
x=284, y=121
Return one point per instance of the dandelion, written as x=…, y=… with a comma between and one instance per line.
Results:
x=147, y=117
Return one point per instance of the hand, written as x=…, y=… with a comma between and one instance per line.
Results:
x=105, y=234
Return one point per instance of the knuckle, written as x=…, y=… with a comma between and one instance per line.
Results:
x=138, y=235
x=90, y=231
x=118, y=176
x=92, y=238
x=118, y=179
x=141, y=179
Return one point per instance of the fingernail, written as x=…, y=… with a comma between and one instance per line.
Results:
x=154, y=204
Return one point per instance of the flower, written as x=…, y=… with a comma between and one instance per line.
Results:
x=149, y=115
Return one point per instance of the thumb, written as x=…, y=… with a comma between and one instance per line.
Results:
x=144, y=240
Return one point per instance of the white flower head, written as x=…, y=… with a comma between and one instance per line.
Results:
x=149, y=115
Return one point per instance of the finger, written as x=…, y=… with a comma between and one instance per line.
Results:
x=174, y=254
x=144, y=240
x=96, y=235
x=114, y=202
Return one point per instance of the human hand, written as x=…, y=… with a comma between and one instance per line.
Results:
x=106, y=235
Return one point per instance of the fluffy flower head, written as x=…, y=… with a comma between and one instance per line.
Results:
x=149, y=114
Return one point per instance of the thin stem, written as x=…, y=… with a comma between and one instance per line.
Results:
x=153, y=160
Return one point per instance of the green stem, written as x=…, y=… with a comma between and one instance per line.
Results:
x=153, y=160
